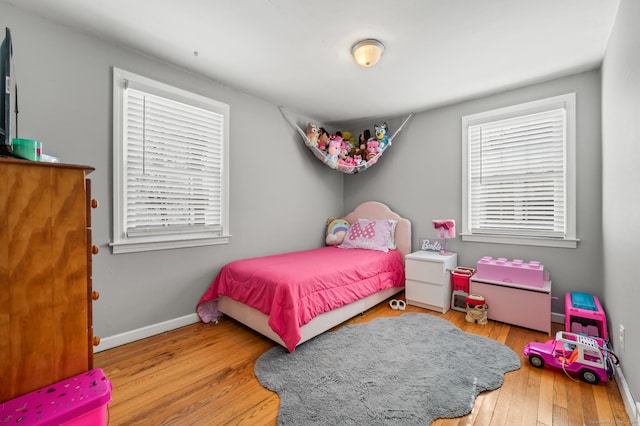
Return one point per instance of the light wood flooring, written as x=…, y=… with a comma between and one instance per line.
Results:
x=202, y=374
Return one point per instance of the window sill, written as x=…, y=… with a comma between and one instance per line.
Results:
x=139, y=246
x=523, y=241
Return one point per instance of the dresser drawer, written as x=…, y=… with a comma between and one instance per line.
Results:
x=421, y=270
x=423, y=292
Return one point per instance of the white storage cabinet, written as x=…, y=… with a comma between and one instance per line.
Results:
x=428, y=279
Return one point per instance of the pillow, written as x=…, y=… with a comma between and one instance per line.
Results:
x=336, y=230
x=369, y=234
x=392, y=240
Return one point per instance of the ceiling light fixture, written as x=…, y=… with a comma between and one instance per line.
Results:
x=367, y=52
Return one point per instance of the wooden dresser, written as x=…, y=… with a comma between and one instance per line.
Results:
x=46, y=291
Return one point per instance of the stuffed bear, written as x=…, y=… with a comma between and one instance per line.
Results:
x=336, y=230
x=372, y=149
x=312, y=134
x=333, y=150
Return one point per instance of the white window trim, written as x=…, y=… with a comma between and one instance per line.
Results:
x=121, y=243
x=568, y=102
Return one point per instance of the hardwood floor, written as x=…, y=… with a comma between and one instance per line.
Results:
x=202, y=374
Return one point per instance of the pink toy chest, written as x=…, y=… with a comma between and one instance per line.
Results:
x=78, y=401
x=511, y=271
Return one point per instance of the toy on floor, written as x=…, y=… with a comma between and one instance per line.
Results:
x=587, y=357
x=584, y=315
x=460, y=278
x=476, y=309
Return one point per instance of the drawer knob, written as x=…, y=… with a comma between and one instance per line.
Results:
x=96, y=340
x=95, y=249
x=94, y=203
x=95, y=295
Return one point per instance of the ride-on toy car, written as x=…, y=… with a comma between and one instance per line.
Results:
x=587, y=357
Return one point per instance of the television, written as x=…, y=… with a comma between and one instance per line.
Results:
x=7, y=95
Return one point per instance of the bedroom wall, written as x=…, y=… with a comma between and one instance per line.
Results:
x=420, y=177
x=277, y=188
x=621, y=181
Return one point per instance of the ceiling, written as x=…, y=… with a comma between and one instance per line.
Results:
x=296, y=53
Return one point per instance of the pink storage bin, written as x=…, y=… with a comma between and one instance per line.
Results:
x=81, y=400
x=514, y=271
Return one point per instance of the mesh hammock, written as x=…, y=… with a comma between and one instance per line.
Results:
x=348, y=165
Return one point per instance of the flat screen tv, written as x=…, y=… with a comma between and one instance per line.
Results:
x=7, y=94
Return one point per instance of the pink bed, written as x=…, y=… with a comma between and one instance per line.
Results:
x=293, y=297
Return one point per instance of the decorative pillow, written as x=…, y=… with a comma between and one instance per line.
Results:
x=336, y=230
x=368, y=234
x=392, y=240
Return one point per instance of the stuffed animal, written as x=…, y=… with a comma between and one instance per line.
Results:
x=344, y=151
x=476, y=309
x=312, y=134
x=333, y=150
x=372, y=149
x=323, y=139
x=357, y=157
x=348, y=138
x=349, y=161
x=336, y=230
x=381, y=135
x=364, y=137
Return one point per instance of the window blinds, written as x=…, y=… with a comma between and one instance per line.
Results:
x=517, y=175
x=173, y=169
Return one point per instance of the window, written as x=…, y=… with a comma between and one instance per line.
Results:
x=171, y=169
x=519, y=174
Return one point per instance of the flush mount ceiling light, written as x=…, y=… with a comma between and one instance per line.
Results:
x=367, y=52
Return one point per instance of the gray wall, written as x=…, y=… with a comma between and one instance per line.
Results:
x=420, y=176
x=277, y=187
x=621, y=186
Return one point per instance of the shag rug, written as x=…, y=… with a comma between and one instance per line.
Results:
x=406, y=370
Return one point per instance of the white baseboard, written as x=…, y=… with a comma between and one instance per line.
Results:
x=632, y=407
x=556, y=317
x=144, y=332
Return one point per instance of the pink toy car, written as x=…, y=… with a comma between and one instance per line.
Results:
x=574, y=353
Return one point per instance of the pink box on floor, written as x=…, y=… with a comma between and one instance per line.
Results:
x=511, y=271
x=81, y=400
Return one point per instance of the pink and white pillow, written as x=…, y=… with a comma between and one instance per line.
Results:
x=370, y=235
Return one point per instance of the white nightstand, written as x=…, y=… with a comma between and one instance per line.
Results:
x=428, y=279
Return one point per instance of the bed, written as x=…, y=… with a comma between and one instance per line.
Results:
x=293, y=297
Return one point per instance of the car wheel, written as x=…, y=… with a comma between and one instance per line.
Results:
x=536, y=361
x=589, y=377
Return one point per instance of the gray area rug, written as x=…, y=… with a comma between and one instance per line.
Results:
x=404, y=370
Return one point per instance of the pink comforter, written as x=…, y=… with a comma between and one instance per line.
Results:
x=293, y=288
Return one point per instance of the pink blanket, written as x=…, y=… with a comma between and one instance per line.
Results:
x=293, y=288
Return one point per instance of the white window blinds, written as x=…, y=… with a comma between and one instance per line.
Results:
x=170, y=166
x=517, y=175
x=174, y=164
